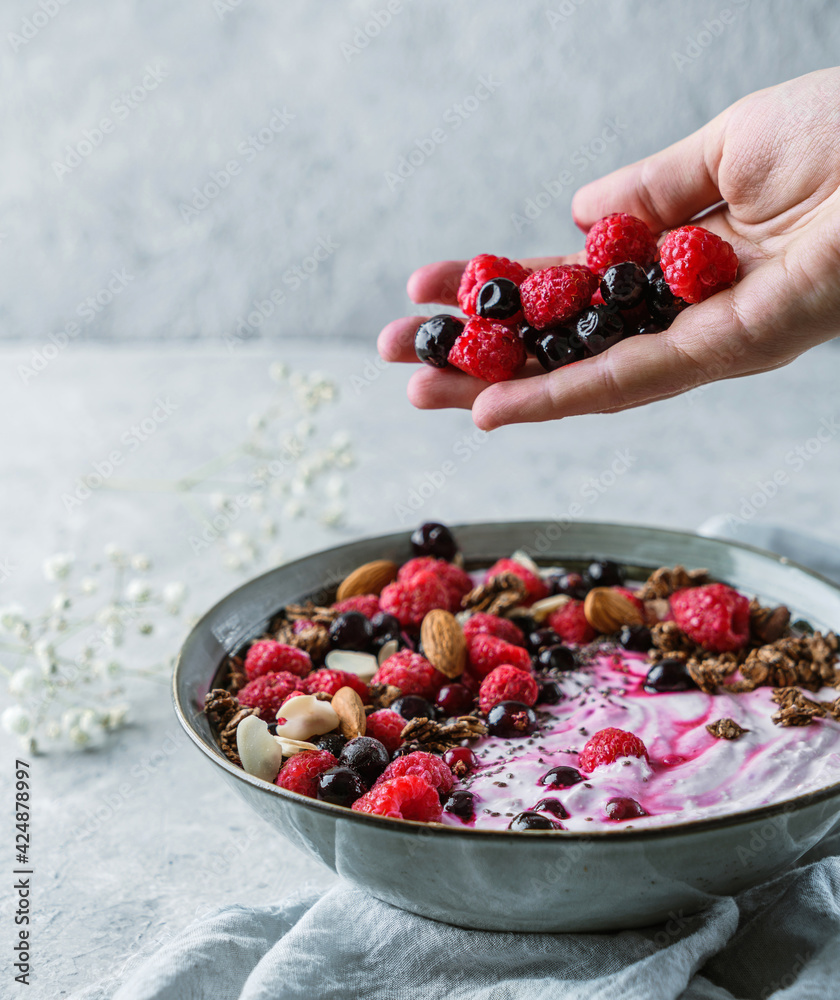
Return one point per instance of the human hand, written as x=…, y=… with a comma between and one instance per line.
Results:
x=772, y=159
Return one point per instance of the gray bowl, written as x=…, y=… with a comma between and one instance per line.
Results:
x=536, y=881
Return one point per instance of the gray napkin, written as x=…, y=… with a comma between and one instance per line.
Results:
x=778, y=940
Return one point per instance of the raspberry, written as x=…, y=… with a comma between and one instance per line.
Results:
x=454, y=579
x=555, y=295
x=409, y=601
x=483, y=624
x=696, y=263
x=506, y=683
x=269, y=657
x=406, y=797
x=715, y=616
x=300, y=773
x=488, y=350
x=486, y=652
x=570, y=623
x=535, y=588
x=268, y=692
x=482, y=269
x=411, y=673
x=617, y=238
x=423, y=765
x=367, y=604
x=294, y=694
x=607, y=745
x=386, y=726
x=329, y=681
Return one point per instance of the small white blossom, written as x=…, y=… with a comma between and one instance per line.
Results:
x=11, y=615
x=268, y=526
x=60, y=602
x=145, y=628
x=174, y=594
x=89, y=585
x=232, y=561
x=237, y=539
x=278, y=372
x=138, y=591
x=58, y=566
x=141, y=562
x=115, y=717
x=24, y=682
x=45, y=655
x=335, y=487
x=218, y=501
x=21, y=630
x=16, y=720
x=294, y=508
x=57, y=623
x=332, y=515
x=115, y=554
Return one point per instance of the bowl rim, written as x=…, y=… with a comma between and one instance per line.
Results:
x=620, y=833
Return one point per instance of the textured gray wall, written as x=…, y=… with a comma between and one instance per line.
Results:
x=82, y=208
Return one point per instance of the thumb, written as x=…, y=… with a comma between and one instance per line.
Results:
x=664, y=190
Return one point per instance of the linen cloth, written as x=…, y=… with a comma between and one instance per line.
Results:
x=779, y=940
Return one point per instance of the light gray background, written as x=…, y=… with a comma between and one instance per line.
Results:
x=111, y=889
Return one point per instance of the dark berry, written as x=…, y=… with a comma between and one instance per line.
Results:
x=461, y=803
x=367, y=756
x=556, y=348
x=561, y=777
x=385, y=626
x=605, y=573
x=434, y=339
x=525, y=623
x=570, y=584
x=539, y=638
x=623, y=808
x=648, y=325
x=461, y=760
x=454, y=699
x=498, y=299
x=802, y=626
x=340, y=785
x=554, y=806
x=511, y=718
x=598, y=328
x=635, y=638
x=533, y=821
x=663, y=304
x=351, y=630
x=623, y=286
x=434, y=540
x=529, y=336
x=412, y=706
x=550, y=693
x=556, y=658
x=668, y=675
x=334, y=742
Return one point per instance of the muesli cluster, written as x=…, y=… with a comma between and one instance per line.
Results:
x=531, y=698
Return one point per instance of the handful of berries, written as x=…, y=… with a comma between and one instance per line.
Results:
x=569, y=312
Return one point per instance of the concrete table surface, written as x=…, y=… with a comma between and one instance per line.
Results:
x=133, y=841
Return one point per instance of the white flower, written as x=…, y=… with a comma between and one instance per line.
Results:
x=174, y=594
x=45, y=655
x=238, y=539
x=60, y=602
x=24, y=682
x=138, y=591
x=58, y=566
x=16, y=720
x=277, y=372
x=141, y=562
x=268, y=526
x=53, y=730
x=11, y=615
x=232, y=561
x=256, y=501
x=304, y=428
x=340, y=440
x=294, y=508
x=57, y=623
x=21, y=630
x=145, y=628
x=335, y=487
x=218, y=501
x=115, y=554
x=255, y=421
x=332, y=515
x=89, y=585
x=115, y=717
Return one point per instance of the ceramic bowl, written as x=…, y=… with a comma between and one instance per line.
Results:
x=536, y=881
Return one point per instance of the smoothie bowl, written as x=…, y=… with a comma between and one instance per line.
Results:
x=572, y=732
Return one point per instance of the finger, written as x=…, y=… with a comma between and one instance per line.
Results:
x=437, y=389
x=664, y=190
x=396, y=341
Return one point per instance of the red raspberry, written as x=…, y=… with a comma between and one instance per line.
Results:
x=329, y=681
x=715, y=616
x=300, y=773
x=269, y=657
x=454, y=579
x=486, y=652
x=367, y=604
x=406, y=797
x=607, y=745
x=410, y=601
x=423, y=765
x=506, y=683
x=488, y=350
x=696, y=263
x=483, y=624
x=482, y=269
x=268, y=692
x=535, y=588
x=294, y=694
x=570, y=623
x=386, y=726
x=617, y=238
x=555, y=295
x=411, y=673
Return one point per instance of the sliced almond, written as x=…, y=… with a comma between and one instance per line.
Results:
x=387, y=649
x=540, y=610
x=258, y=750
x=291, y=747
x=444, y=645
x=363, y=665
x=348, y=706
x=368, y=579
x=525, y=560
x=304, y=717
x=606, y=610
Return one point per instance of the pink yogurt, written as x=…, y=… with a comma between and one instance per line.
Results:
x=691, y=774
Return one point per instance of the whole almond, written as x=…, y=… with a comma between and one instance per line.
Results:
x=348, y=706
x=606, y=610
x=444, y=645
x=370, y=578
